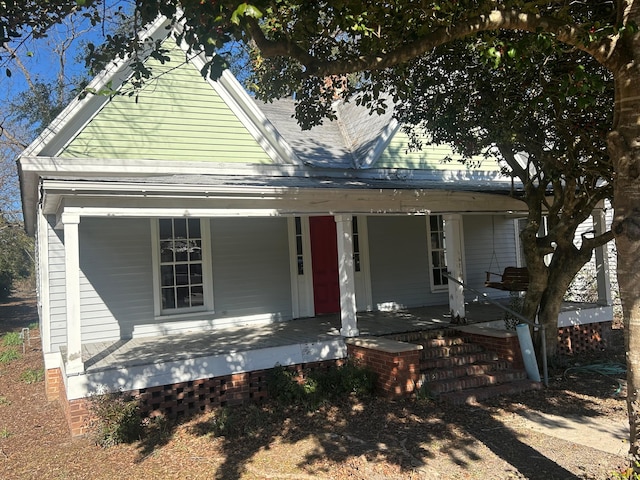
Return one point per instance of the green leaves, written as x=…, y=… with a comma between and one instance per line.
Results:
x=245, y=10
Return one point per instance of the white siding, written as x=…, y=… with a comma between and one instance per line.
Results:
x=58, y=311
x=399, y=263
x=116, y=288
x=485, y=236
x=251, y=267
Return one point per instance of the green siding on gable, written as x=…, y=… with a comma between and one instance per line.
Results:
x=176, y=116
x=396, y=155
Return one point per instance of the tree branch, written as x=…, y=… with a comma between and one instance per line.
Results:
x=603, y=51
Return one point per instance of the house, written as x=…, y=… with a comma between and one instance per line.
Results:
x=175, y=226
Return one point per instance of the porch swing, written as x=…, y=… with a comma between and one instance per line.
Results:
x=512, y=279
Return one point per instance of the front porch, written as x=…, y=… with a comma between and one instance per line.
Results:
x=186, y=372
x=296, y=341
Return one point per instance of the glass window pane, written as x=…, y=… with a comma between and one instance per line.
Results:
x=165, y=228
x=197, y=296
x=433, y=223
x=182, y=297
x=195, y=276
x=180, y=227
x=168, y=298
x=298, y=226
x=181, y=251
x=194, y=228
x=195, y=250
x=437, y=278
x=166, y=274
x=182, y=274
x=166, y=251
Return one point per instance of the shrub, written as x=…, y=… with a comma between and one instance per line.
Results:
x=11, y=339
x=115, y=419
x=320, y=387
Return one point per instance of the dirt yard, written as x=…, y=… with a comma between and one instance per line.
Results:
x=379, y=439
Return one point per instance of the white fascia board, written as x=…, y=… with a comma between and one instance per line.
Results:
x=80, y=111
x=243, y=106
x=253, y=119
x=145, y=167
x=381, y=145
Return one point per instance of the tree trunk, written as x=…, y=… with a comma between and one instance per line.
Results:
x=624, y=149
x=566, y=263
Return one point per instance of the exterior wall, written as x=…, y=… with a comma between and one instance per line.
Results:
x=431, y=157
x=251, y=274
x=484, y=236
x=116, y=289
x=251, y=277
x=399, y=263
x=56, y=281
x=175, y=116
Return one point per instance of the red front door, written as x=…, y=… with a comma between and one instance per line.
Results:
x=324, y=260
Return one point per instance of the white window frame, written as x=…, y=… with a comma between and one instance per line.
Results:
x=444, y=286
x=207, y=273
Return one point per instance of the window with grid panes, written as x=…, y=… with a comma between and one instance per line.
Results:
x=437, y=249
x=181, y=276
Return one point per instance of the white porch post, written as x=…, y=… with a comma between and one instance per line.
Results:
x=602, y=260
x=454, y=253
x=70, y=222
x=346, y=273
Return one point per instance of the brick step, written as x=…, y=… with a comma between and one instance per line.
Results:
x=450, y=351
x=439, y=387
x=457, y=360
x=457, y=371
x=417, y=337
x=442, y=341
x=475, y=395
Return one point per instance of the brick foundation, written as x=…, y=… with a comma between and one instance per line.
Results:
x=396, y=364
x=591, y=337
x=53, y=384
x=179, y=399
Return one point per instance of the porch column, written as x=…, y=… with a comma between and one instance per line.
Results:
x=602, y=260
x=346, y=274
x=70, y=222
x=453, y=254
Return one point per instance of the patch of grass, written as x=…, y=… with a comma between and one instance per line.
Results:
x=115, y=419
x=9, y=356
x=5, y=433
x=4, y=401
x=34, y=326
x=11, y=339
x=32, y=375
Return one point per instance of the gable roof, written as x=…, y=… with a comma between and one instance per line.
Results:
x=176, y=115
x=180, y=122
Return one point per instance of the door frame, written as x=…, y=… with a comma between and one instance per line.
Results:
x=302, y=284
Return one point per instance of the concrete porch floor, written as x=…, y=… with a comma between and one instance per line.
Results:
x=126, y=353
